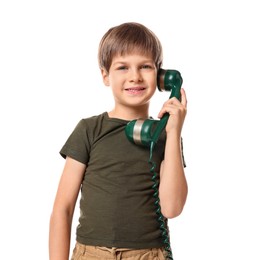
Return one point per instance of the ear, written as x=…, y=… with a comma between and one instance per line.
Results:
x=105, y=76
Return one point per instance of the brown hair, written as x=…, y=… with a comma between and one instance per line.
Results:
x=125, y=39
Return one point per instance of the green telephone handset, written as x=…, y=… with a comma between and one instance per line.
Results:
x=147, y=132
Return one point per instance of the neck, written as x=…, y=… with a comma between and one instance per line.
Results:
x=129, y=113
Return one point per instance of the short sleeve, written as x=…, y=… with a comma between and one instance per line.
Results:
x=77, y=145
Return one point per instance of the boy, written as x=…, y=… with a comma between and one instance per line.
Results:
x=117, y=218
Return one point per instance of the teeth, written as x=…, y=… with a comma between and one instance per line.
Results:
x=135, y=89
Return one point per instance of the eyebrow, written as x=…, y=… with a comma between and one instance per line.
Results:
x=125, y=62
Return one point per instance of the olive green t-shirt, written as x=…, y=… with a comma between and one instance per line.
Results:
x=117, y=204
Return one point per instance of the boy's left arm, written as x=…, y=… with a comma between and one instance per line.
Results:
x=173, y=185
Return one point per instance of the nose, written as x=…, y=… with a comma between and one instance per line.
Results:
x=135, y=76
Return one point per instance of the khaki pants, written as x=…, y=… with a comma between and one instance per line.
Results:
x=83, y=252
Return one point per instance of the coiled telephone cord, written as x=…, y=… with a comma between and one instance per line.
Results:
x=160, y=217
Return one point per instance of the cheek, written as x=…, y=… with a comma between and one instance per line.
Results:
x=153, y=79
x=115, y=82
x=154, y=82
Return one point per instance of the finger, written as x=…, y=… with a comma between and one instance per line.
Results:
x=163, y=111
x=183, y=97
x=167, y=108
x=172, y=101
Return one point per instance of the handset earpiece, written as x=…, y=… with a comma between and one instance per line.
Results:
x=170, y=80
x=145, y=132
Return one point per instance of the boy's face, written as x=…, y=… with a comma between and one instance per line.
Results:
x=133, y=79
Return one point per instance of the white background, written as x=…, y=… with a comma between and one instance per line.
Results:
x=49, y=79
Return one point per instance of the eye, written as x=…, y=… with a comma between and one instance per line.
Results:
x=146, y=66
x=122, y=68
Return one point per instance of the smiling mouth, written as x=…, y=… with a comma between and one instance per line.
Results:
x=135, y=89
